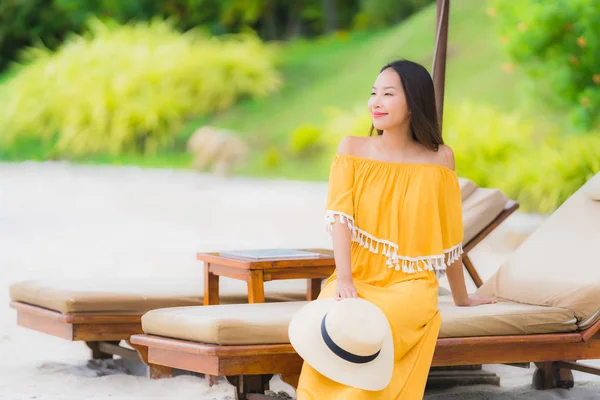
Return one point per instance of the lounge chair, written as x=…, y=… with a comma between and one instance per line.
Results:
x=549, y=314
x=104, y=313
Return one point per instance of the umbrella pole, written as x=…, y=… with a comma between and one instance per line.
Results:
x=439, y=55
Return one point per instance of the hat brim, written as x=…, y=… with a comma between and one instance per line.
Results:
x=305, y=336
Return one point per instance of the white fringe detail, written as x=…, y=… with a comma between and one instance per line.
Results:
x=437, y=263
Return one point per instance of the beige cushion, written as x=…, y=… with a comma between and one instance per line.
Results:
x=559, y=264
x=502, y=318
x=467, y=187
x=224, y=324
x=127, y=296
x=268, y=323
x=480, y=209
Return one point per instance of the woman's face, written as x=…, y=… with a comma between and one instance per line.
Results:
x=387, y=103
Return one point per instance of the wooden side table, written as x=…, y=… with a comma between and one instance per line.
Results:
x=256, y=272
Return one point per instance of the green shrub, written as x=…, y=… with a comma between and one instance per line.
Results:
x=552, y=171
x=305, y=140
x=484, y=141
x=272, y=157
x=503, y=151
x=128, y=88
x=557, y=44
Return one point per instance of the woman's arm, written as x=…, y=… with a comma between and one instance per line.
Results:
x=456, y=279
x=454, y=272
x=342, y=237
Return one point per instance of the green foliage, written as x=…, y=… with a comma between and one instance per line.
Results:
x=503, y=151
x=378, y=13
x=272, y=157
x=25, y=22
x=551, y=171
x=557, y=43
x=305, y=139
x=124, y=89
x=484, y=141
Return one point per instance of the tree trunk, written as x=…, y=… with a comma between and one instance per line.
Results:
x=330, y=13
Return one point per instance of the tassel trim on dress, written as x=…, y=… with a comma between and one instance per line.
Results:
x=437, y=263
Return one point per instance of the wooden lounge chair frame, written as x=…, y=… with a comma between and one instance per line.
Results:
x=249, y=368
x=104, y=333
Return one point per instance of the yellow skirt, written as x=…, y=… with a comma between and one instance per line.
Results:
x=411, y=308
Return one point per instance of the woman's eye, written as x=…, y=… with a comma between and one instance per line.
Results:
x=388, y=94
x=372, y=94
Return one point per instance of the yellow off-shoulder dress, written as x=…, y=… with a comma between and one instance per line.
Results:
x=406, y=224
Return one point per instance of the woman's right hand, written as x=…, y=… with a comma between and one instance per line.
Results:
x=345, y=289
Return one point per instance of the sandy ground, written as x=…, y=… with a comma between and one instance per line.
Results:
x=58, y=220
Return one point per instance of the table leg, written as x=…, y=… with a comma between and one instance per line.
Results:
x=211, y=286
x=313, y=288
x=256, y=288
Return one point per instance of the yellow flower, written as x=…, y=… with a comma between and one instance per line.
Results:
x=581, y=41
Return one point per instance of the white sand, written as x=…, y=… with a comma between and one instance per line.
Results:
x=58, y=220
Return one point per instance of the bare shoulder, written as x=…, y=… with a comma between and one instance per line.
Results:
x=354, y=145
x=446, y=156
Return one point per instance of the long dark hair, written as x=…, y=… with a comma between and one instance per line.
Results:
x=420, y=98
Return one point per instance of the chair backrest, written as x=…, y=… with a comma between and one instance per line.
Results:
x=559, y=264
x=480, y=207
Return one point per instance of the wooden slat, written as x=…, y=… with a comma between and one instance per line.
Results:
x=252, y=364
x=260, y=363
x=502, y=353
x=512, y=339
x=48, y=315
x=115, y=349
x=86, y=327
x=472, y=271
x=182, y=360
x=313, y=289
x=211, y=286
x=75, y=318
x=592, y=332
x=256, y=287
x=45, y=322
x=326, y=258
x=298, y=273
x=209, y=349
x=229, y=271
x=510, y=207
x=108, y=332
x=105, y=319
x=578, y=367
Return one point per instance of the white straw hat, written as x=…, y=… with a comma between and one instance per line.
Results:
x=348, y=341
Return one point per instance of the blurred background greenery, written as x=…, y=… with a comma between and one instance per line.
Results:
x=130, y=82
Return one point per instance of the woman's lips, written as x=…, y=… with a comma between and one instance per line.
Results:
x=379, y=115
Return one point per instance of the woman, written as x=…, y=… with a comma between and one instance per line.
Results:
x=395, y=213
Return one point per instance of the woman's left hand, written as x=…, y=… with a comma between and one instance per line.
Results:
x=477, y=301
